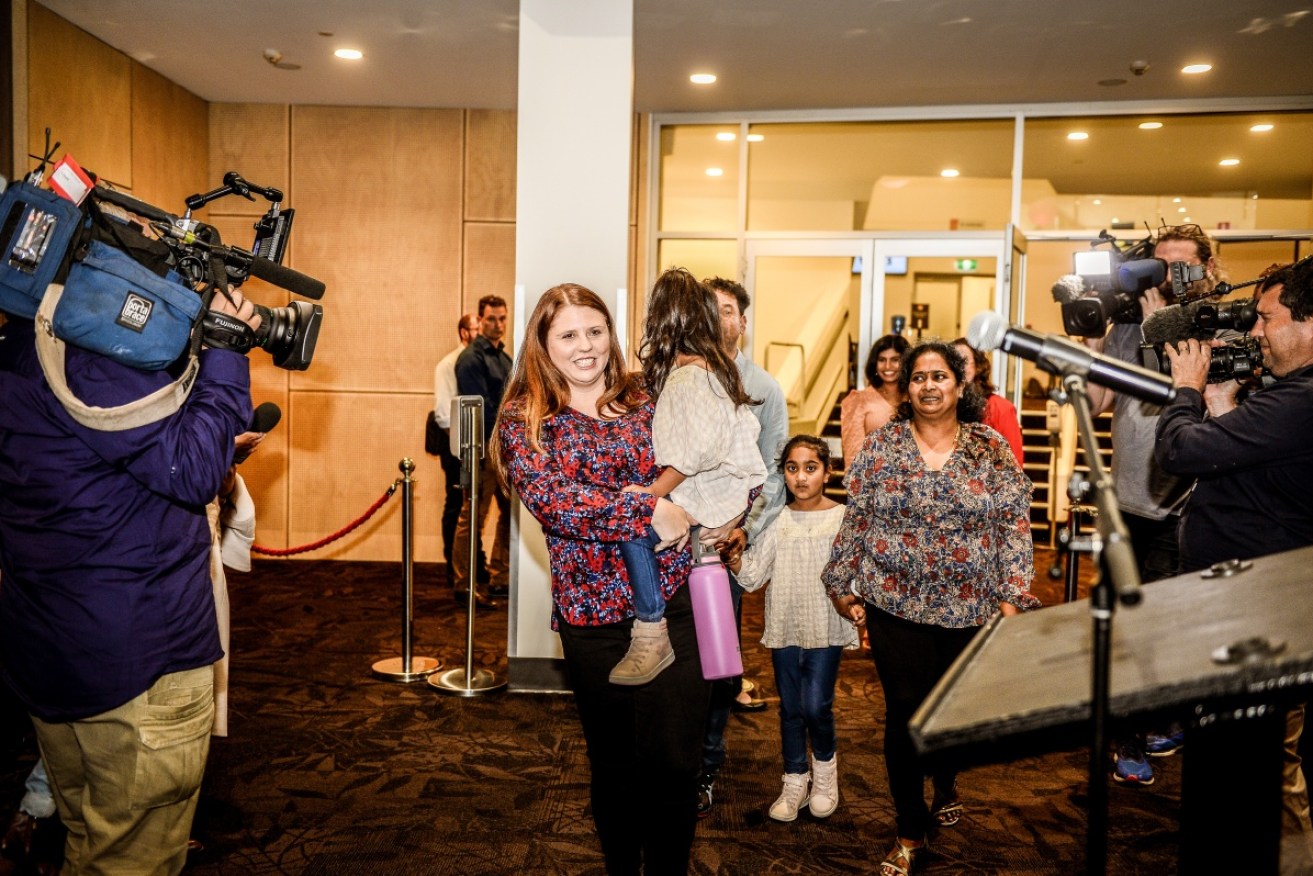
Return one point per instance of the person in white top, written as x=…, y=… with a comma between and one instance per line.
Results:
x=805, y=635
x=704, y=434
x=444, y=379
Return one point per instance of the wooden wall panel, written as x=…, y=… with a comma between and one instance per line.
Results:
x=490, y=165
x=170, y=141
x=80, y=88
x=378, y=197
x=346, y=451
x=252, y=139
x=489, y=263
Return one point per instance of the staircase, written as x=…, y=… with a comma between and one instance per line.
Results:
x=1039, y=441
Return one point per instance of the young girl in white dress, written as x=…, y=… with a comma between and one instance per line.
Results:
x=805, y=634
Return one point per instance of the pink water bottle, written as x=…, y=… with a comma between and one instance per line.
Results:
x=713, y=616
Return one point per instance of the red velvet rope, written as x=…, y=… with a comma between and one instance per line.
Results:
x=287, y=552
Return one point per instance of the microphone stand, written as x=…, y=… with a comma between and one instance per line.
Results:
x=1120, y=575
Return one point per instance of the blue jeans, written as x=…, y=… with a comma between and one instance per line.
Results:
x=805, y=680
x=645, y=576
x=39, y=801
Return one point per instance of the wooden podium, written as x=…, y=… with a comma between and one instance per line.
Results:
x=1223, y=653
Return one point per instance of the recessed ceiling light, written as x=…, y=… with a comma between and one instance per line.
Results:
x=726, y=136
x=1196, y=68
x=1150, y=126
x=1254, y=196
x=1078, y=135
x=1180, y=209
x=702, y=78
x=1229, y=162
x=715, y=171
x=349, y=54
x=1098, y=202
x=948, y=172
x=1258, y=129
x=1176, y=200
x=1186, y=220
x=756, y=138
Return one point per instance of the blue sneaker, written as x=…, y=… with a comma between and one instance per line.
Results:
x=1156, y=745
x=1131, y=767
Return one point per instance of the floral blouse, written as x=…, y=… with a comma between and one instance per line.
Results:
x=573, y=488
x=935, y=547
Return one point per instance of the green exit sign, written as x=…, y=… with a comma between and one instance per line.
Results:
x=965, y=264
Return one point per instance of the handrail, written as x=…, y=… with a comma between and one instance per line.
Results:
x=803, y=350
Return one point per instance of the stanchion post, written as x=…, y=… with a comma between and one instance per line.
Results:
x=467, y=427
x=407, y=668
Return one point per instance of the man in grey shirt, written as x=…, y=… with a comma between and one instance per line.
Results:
x=732, y=302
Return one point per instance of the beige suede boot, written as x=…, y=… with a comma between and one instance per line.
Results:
x=649, y=653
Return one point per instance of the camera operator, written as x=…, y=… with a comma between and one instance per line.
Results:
x=107, y=617
x=1150, y=498
x=1254, y=465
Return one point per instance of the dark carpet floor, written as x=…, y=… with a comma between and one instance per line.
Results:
x=328, y=771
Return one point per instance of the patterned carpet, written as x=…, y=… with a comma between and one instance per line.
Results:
x=329, y=771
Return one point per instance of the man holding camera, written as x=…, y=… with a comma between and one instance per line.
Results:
x=1254, y=464
x=107, y=616
x=1149, y=497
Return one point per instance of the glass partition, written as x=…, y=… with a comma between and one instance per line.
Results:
x=1222, y=171
x=699, y=178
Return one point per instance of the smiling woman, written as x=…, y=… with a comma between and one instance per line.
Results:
x=935, y=540
x=574, y=430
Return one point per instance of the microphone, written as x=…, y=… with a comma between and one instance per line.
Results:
x=285, y=278
x=1173, y=323
x=264, y=419
x=1056, y=355
x=1069, y=288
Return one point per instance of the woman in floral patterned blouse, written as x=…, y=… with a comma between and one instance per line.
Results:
x=935, y=540
x=573, y=431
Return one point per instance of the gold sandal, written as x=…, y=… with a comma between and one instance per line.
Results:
x=901, y=858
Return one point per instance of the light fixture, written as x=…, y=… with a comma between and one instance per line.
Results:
x=1176, y=200
x=1078, y=135
x=1193, y=69
x=702, y=78
x=715, y=171
x=1180, y=209
x=756, y=138
x=948, y=173
x=1228, y=162
x=1150, y=126
x=1259, y=129
x=726, y=136
x=349, y=54
x=1098, y=202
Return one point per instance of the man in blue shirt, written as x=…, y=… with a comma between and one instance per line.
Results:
x=108, y=630
x=482, y=369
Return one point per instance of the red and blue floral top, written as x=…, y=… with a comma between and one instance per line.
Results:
x=935, y=547
x=573, y=489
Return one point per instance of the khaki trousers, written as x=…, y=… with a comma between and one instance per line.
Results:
x=126, y=781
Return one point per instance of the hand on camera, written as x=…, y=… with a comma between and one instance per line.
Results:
x=1152, y=301
x=1189, y=360
x=238, y=307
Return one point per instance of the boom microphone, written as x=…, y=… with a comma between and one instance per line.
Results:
x=1174, y=323
x=285, y=278
x=1069, y=288
x=1057, y=355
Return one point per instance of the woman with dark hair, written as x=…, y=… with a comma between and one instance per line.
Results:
x=864, y=410
x=935, y=540
x=574, y=430
x=1000, y=414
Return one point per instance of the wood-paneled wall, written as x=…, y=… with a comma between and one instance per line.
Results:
x=407, y=215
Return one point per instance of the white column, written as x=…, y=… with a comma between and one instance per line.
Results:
x=575, y=123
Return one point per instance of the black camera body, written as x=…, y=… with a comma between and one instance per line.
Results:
x=1112, y=280
x=1238, y=359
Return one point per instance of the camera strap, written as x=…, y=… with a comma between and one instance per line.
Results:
x=151, y=408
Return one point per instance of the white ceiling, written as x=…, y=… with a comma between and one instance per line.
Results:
x=769, y=54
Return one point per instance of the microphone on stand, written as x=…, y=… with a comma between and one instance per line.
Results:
x=1058, y=355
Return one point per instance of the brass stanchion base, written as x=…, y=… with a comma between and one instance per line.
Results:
x=452, y=683
x=393, y=669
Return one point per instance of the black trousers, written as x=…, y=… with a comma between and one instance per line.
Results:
x=644, y=743
x=452, y=500
x=910, y=659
